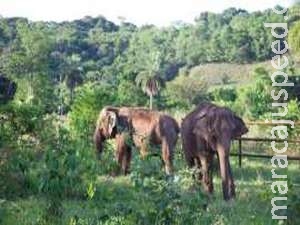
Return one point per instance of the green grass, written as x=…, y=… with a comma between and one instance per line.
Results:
x=120, y=201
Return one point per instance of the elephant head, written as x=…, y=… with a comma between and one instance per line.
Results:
x=239, y=127
x=106, y=126
x=7, y=89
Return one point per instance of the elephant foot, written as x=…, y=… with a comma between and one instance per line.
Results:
x=229, y=198
x=225, y=195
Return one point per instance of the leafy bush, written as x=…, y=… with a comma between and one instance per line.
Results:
x=19, y=144
x=130, y=95
x=185, y=91
x=90, y=99
x=254, y=99
x=221, y=95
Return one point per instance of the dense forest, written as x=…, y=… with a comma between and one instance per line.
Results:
x=66, y=72
x=60, y=57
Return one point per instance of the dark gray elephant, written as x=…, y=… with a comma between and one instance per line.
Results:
x=205, y=131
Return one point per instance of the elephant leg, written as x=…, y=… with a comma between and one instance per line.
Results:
x=223, y=153
x=123, y=154
x=207, y=166
x=126, y=160
x=191, y=159
x=210, y=159
x=142, y=145
x=167, y=156
x=210, y=171
x=198, y=169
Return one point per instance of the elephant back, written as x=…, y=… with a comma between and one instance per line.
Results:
x=214, y=121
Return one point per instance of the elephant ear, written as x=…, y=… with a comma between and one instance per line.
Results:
x=112, y=121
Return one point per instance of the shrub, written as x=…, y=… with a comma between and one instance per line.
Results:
x=90, y=99
x=184, y=91
x=253, y=100
x=222, y=95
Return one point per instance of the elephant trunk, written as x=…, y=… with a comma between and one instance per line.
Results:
x=98, y=140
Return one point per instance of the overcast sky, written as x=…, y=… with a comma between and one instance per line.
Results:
x=159, y=12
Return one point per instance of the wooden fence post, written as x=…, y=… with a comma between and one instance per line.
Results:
x=240, y=153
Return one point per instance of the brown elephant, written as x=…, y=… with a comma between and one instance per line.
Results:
x=141, y=126
x=7, y=89
x=206, y=130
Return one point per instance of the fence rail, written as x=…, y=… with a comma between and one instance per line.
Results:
x=267, y=140
x=241, y=154
x=269, y=123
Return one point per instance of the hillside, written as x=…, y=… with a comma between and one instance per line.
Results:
x=220, y=73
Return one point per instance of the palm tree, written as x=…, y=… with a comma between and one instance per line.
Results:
x=149, y=79
x=150, y=83
x=71, y=74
